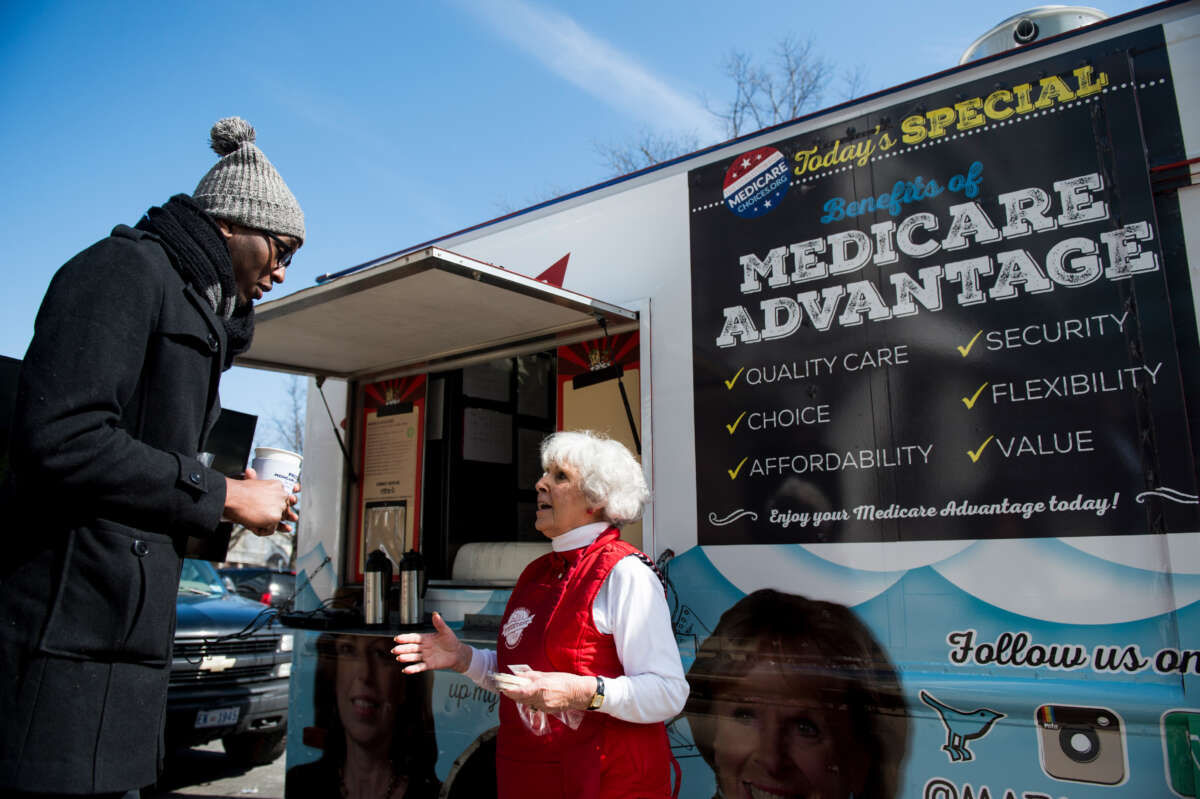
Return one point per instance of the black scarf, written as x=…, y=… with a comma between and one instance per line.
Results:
x=201, y=257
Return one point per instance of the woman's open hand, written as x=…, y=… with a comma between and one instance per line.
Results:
x=437, y=650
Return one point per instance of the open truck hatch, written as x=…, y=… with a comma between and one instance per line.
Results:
x=424, y=310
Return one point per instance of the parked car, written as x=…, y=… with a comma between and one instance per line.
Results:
x=268, y=586
x=230, y=670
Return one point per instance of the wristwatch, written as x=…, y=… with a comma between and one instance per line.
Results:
x=598, y=697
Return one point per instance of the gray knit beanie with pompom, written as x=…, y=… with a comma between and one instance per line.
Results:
x=244, y=187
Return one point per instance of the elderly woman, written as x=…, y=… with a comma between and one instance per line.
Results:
x=794, y=697
x=588, y=634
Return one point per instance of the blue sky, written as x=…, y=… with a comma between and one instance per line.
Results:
x=394, y=122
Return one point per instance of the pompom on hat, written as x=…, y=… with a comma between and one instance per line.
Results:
x=244, y=187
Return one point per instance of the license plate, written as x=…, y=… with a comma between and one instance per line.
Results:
x=222, y=717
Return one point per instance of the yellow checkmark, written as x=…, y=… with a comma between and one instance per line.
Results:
x=733, y=473
x=729, y=383
x=964, y=351
x=970, y=403
x=736, y=422
x=974, y=456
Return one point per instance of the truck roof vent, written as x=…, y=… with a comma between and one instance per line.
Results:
x=1029, y=26
x=1026, y=31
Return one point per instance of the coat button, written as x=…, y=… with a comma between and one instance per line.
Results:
x=140, y=548
x=213, y=343
x=194, y=478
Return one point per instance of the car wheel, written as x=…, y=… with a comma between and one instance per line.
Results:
x=255, y=748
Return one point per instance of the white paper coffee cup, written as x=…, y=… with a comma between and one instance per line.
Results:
x=277, y=464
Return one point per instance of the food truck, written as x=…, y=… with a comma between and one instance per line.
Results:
x=929, y=357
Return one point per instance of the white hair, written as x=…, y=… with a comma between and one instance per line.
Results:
x=609, y=474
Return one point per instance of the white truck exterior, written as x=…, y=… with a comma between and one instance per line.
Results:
x=930, y=355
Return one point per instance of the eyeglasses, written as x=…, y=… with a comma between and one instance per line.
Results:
x=283, y=253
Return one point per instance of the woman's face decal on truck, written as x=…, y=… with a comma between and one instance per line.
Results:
x=369, y=688
x=774, y=741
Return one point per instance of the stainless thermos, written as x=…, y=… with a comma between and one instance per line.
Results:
x=412, y=588
x=377, y=580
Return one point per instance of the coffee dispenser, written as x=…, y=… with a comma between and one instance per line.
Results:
x=412, y=588
x=377, y=580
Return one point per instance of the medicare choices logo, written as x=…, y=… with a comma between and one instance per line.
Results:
x=756, y=182
x=515, y=626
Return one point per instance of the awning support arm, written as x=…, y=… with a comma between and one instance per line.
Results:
x=637, y=440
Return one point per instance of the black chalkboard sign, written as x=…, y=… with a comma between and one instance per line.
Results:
x=952, y=319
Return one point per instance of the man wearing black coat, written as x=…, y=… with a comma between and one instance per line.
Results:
x=117, y=394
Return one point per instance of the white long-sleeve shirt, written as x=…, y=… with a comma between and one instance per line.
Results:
x=632, y=608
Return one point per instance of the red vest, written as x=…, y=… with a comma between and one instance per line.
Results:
x=548, y=626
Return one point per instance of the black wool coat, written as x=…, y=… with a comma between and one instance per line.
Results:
x=117, y=393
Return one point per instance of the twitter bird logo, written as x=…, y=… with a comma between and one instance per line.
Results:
x=962, y=727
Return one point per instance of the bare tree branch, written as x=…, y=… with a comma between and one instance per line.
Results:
x=647, y=150
x=854, y=83
x=794, y=81
x=289, y=423
x=550, y=191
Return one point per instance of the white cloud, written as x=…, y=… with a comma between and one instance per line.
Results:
x=597, y=67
